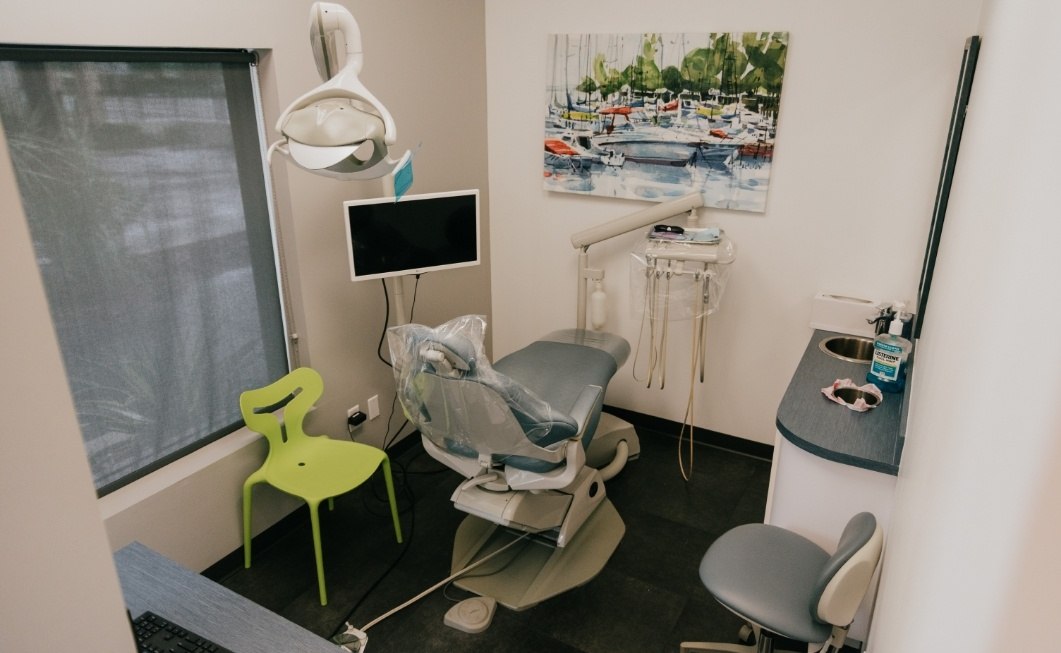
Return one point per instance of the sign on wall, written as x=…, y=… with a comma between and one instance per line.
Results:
x=658, y=116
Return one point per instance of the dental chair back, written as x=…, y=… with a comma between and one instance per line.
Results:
x=475, y=419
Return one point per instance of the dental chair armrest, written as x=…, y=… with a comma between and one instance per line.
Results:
x=585, y=411
x=466, y=467
x=587, y=407
x=557, y=479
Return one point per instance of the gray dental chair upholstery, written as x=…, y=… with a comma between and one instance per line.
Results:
x=784, y=584
x=518, y=431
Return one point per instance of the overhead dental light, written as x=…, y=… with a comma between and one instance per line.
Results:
x=338, y=129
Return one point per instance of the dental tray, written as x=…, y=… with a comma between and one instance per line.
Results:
x=720, y=251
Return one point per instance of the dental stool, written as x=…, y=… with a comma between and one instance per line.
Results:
x=784, y=584
x=518, y=431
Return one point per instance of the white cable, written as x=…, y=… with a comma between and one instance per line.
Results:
x=699, y=330
x=666, y=328
x=653, y=354
x=440, y=584
x=688, y=418
x=703, y=309
x=644, y=317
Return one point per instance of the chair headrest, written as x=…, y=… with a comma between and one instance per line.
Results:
x=449, y=355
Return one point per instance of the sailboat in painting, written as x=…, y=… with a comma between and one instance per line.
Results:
x=654, y=116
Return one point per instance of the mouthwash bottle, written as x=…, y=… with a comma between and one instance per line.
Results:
x=887, y=369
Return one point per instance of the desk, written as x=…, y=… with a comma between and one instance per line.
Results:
x=153, y=582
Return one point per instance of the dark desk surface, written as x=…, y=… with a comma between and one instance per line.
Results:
x=870, y=440
x=153, y=582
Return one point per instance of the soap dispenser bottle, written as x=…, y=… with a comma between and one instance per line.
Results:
x=887, y=369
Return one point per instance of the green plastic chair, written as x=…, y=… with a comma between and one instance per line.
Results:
x=312, y=467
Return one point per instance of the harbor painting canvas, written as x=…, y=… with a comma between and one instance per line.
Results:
x=658, y=116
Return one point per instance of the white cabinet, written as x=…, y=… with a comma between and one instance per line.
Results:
x=816, y=497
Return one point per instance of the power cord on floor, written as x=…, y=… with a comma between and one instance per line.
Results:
x=388, y=440
x=490, y=572
x=401, y=554
x=402, y=474
x=356, y=639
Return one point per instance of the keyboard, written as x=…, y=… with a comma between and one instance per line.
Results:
x=157, y=635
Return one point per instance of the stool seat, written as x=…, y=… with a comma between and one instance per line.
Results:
x=767, y=575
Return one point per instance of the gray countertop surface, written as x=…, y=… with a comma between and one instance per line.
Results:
x=806, y=418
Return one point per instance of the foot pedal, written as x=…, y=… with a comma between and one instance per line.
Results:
x=471, y=615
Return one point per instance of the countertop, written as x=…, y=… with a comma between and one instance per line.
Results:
x=153, y=582
x=871, y=440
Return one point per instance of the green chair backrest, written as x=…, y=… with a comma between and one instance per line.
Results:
x=278, y=410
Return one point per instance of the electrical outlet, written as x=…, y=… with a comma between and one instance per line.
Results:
x=350, y=412
x=373, y=407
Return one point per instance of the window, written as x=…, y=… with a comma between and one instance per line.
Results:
x=142, y=178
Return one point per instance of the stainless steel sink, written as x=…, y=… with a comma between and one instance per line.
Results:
x=855, y=349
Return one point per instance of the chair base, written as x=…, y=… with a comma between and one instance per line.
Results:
x=538, y=570
x=763, y=642
x=760, y=643
x=713, y=647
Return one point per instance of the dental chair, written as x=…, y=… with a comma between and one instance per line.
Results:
x=519, y=432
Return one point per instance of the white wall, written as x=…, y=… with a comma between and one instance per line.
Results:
x=864, y=109
x=971, y=562
x=55, y=557
x=426, y=62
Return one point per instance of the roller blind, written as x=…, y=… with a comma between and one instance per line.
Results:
x=142, y=179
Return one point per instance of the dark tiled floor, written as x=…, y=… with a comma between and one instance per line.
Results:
x=648, y=598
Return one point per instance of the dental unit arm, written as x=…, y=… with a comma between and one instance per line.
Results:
x=638, y=220
x=339, y=129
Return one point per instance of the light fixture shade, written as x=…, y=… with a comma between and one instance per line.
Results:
x=325, y=133
x=338, y=129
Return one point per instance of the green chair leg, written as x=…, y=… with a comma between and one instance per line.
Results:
x=247, y=489
x=318, y=554
x=393, y=501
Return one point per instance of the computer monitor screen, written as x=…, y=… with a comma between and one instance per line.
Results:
x=417, y=233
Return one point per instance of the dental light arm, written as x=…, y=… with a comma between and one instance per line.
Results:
x=639, y=220
x=339, y=129
x=340, y=74
x=324, y=23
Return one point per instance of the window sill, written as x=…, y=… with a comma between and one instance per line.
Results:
x=176, y=472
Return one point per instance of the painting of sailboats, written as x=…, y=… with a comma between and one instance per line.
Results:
x=657, y=116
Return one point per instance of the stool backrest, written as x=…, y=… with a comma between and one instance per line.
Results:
x=846, y=576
